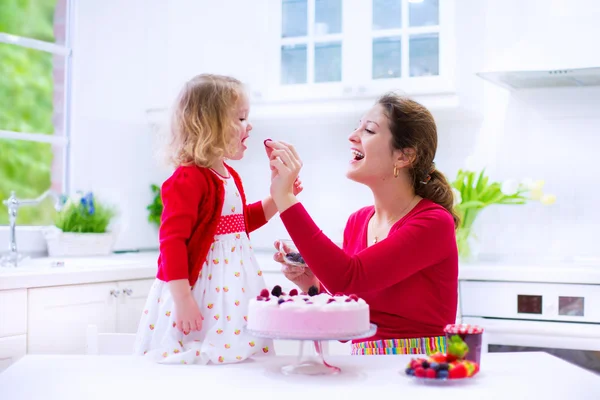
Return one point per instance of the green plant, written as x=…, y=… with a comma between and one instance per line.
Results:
x=473, y=192
x=84, y=214
x=156, y=207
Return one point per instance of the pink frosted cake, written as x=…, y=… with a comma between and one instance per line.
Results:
x=310, y=316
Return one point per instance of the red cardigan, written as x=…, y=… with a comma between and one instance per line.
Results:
x=409, y=279
x=192, y=203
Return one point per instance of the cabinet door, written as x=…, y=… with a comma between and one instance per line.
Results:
x=13, y=312
x=59, y=316
x=307, y=49
x=11, y=349
x=130, y=304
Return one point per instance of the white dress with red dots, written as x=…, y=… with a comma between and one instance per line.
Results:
x=229, y=278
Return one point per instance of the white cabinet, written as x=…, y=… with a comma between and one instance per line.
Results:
x=11, y=349
x=321, y=49
x=58, y=316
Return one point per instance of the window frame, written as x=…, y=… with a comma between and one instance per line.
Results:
x=63, y=140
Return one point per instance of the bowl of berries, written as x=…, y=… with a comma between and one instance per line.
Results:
x=444, y=368
x=290, y=253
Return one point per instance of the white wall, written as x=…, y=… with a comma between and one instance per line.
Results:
x=112, y=148
x=546, y=134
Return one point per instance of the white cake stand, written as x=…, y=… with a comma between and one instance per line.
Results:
x=311, y=364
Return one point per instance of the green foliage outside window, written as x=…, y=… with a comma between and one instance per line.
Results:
x=26, y=105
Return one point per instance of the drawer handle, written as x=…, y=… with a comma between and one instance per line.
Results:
x=128, y=291
x=115, y=292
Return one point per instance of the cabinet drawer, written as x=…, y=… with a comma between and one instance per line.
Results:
x=525, y=300
x=13, y=312
x=11, y=349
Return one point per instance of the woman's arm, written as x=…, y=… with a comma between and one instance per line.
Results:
x=424, y=240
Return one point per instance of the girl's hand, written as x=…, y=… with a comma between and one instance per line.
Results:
x=187, y=315
x=286, y=165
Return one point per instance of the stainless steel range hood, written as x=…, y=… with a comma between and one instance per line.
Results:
x=574, y=77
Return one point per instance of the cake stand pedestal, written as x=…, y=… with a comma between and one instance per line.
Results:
x=311, y=363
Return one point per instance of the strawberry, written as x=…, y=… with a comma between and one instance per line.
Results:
x=459, y=371
x=438, y=357
x=264, y=293
x=430, y=373
x=294, y=292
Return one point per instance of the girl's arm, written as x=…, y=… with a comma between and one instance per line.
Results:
x=424, y=240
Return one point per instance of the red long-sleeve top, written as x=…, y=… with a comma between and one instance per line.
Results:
x=192, y=203
x=409, y=279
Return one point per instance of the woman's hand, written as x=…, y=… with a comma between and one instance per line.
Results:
x=187, y=315
x=300, y=276
x=285, y=167
x=297, y=187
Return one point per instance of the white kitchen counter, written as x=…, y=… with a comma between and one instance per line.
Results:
x=515, y=376
x=40, y=272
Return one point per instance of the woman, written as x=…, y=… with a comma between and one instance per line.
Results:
x=400, y=254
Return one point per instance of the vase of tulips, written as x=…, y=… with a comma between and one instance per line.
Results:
x=474, y=192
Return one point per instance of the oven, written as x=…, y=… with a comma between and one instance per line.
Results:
x=562, y=319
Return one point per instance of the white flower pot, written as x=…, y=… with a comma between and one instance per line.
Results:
x=70, y=244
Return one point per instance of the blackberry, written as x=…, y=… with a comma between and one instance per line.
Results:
x=276, y=291
x=425, y=364
x=295, y=257
x=443, y=366
x=280, y=301
x=313, y=291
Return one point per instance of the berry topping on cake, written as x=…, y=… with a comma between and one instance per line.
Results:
x=330, y=301
x=280, y=301
x=294, y=292
x=260, y=298
x=338, y=294
x=276, y=291
x=313, y=291
x=264, y=293
x=353, y=297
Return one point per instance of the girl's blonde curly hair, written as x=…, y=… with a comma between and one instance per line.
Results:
x=202, y=126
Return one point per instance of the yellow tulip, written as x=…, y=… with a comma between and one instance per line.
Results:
x=548, y=199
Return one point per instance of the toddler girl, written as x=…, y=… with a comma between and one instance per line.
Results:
x=197, y=307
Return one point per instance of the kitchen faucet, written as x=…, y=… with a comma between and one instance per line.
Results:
x=13, y=204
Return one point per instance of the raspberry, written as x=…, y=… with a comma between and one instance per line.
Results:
x=430, y=373
x=353, y=297
x=294, y=292
x=330, y=301
x=420, y=372
x=338, y=294
x=264, y=293
x=260, y=298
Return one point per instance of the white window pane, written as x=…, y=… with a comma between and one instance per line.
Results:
x=387, y=14
x=294, y=18
x=387, y=57
x=328, y=16
x=424, y=55
x=38, y=19
x=328, y=62
x=425, y=13
x=293, y=64
x=31, y=90
x=29, y=169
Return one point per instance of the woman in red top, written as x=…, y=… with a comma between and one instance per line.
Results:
x=400, y=254
x=207, y=273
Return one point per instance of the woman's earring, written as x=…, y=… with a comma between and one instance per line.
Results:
x=396, y=172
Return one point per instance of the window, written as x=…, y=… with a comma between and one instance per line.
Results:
x=35, y=89
x=406, y=36
x=311, y=41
